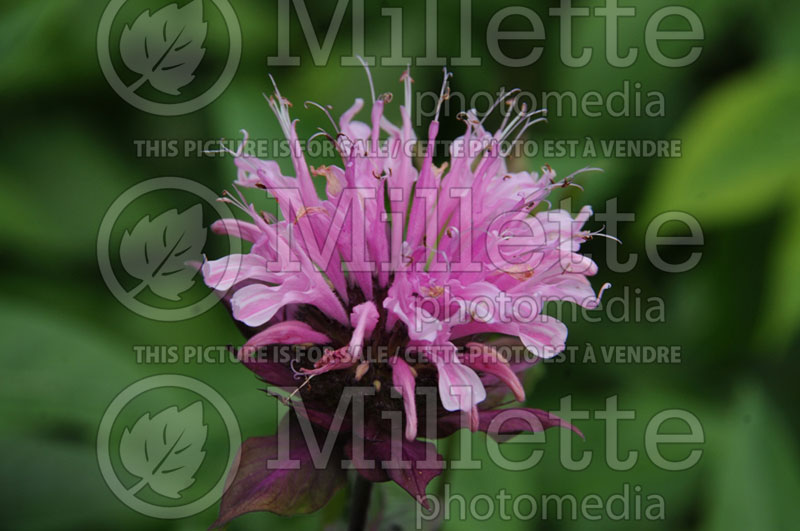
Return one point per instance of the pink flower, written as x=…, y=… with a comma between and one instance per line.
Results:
x=405, y=278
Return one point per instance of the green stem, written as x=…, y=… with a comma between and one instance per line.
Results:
x=359, y=503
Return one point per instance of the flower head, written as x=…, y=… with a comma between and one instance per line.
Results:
x=397, y=280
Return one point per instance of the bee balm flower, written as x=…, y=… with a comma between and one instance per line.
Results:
x=401, y=280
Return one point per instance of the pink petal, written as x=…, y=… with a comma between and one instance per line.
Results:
x=544, y=338
x=403, y=380
x=485, y=358
x=288, y=333
x=256, y=304
x=399, y=303
x=224, y=273
x=459, y=386
x=234, y=227
x=363, y=318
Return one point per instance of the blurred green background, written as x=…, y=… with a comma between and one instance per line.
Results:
x=67, y=344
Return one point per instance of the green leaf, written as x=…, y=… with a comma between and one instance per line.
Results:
x=52, y=205
x=490, y=480
x=30, y=35
x=756, y=483
x=739, y=150
x=57, y=374
x=56, y=485
x=781, y=311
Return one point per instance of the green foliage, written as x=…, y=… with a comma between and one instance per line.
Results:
x=781, y=311
x=739, y=155
x=757, y=474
